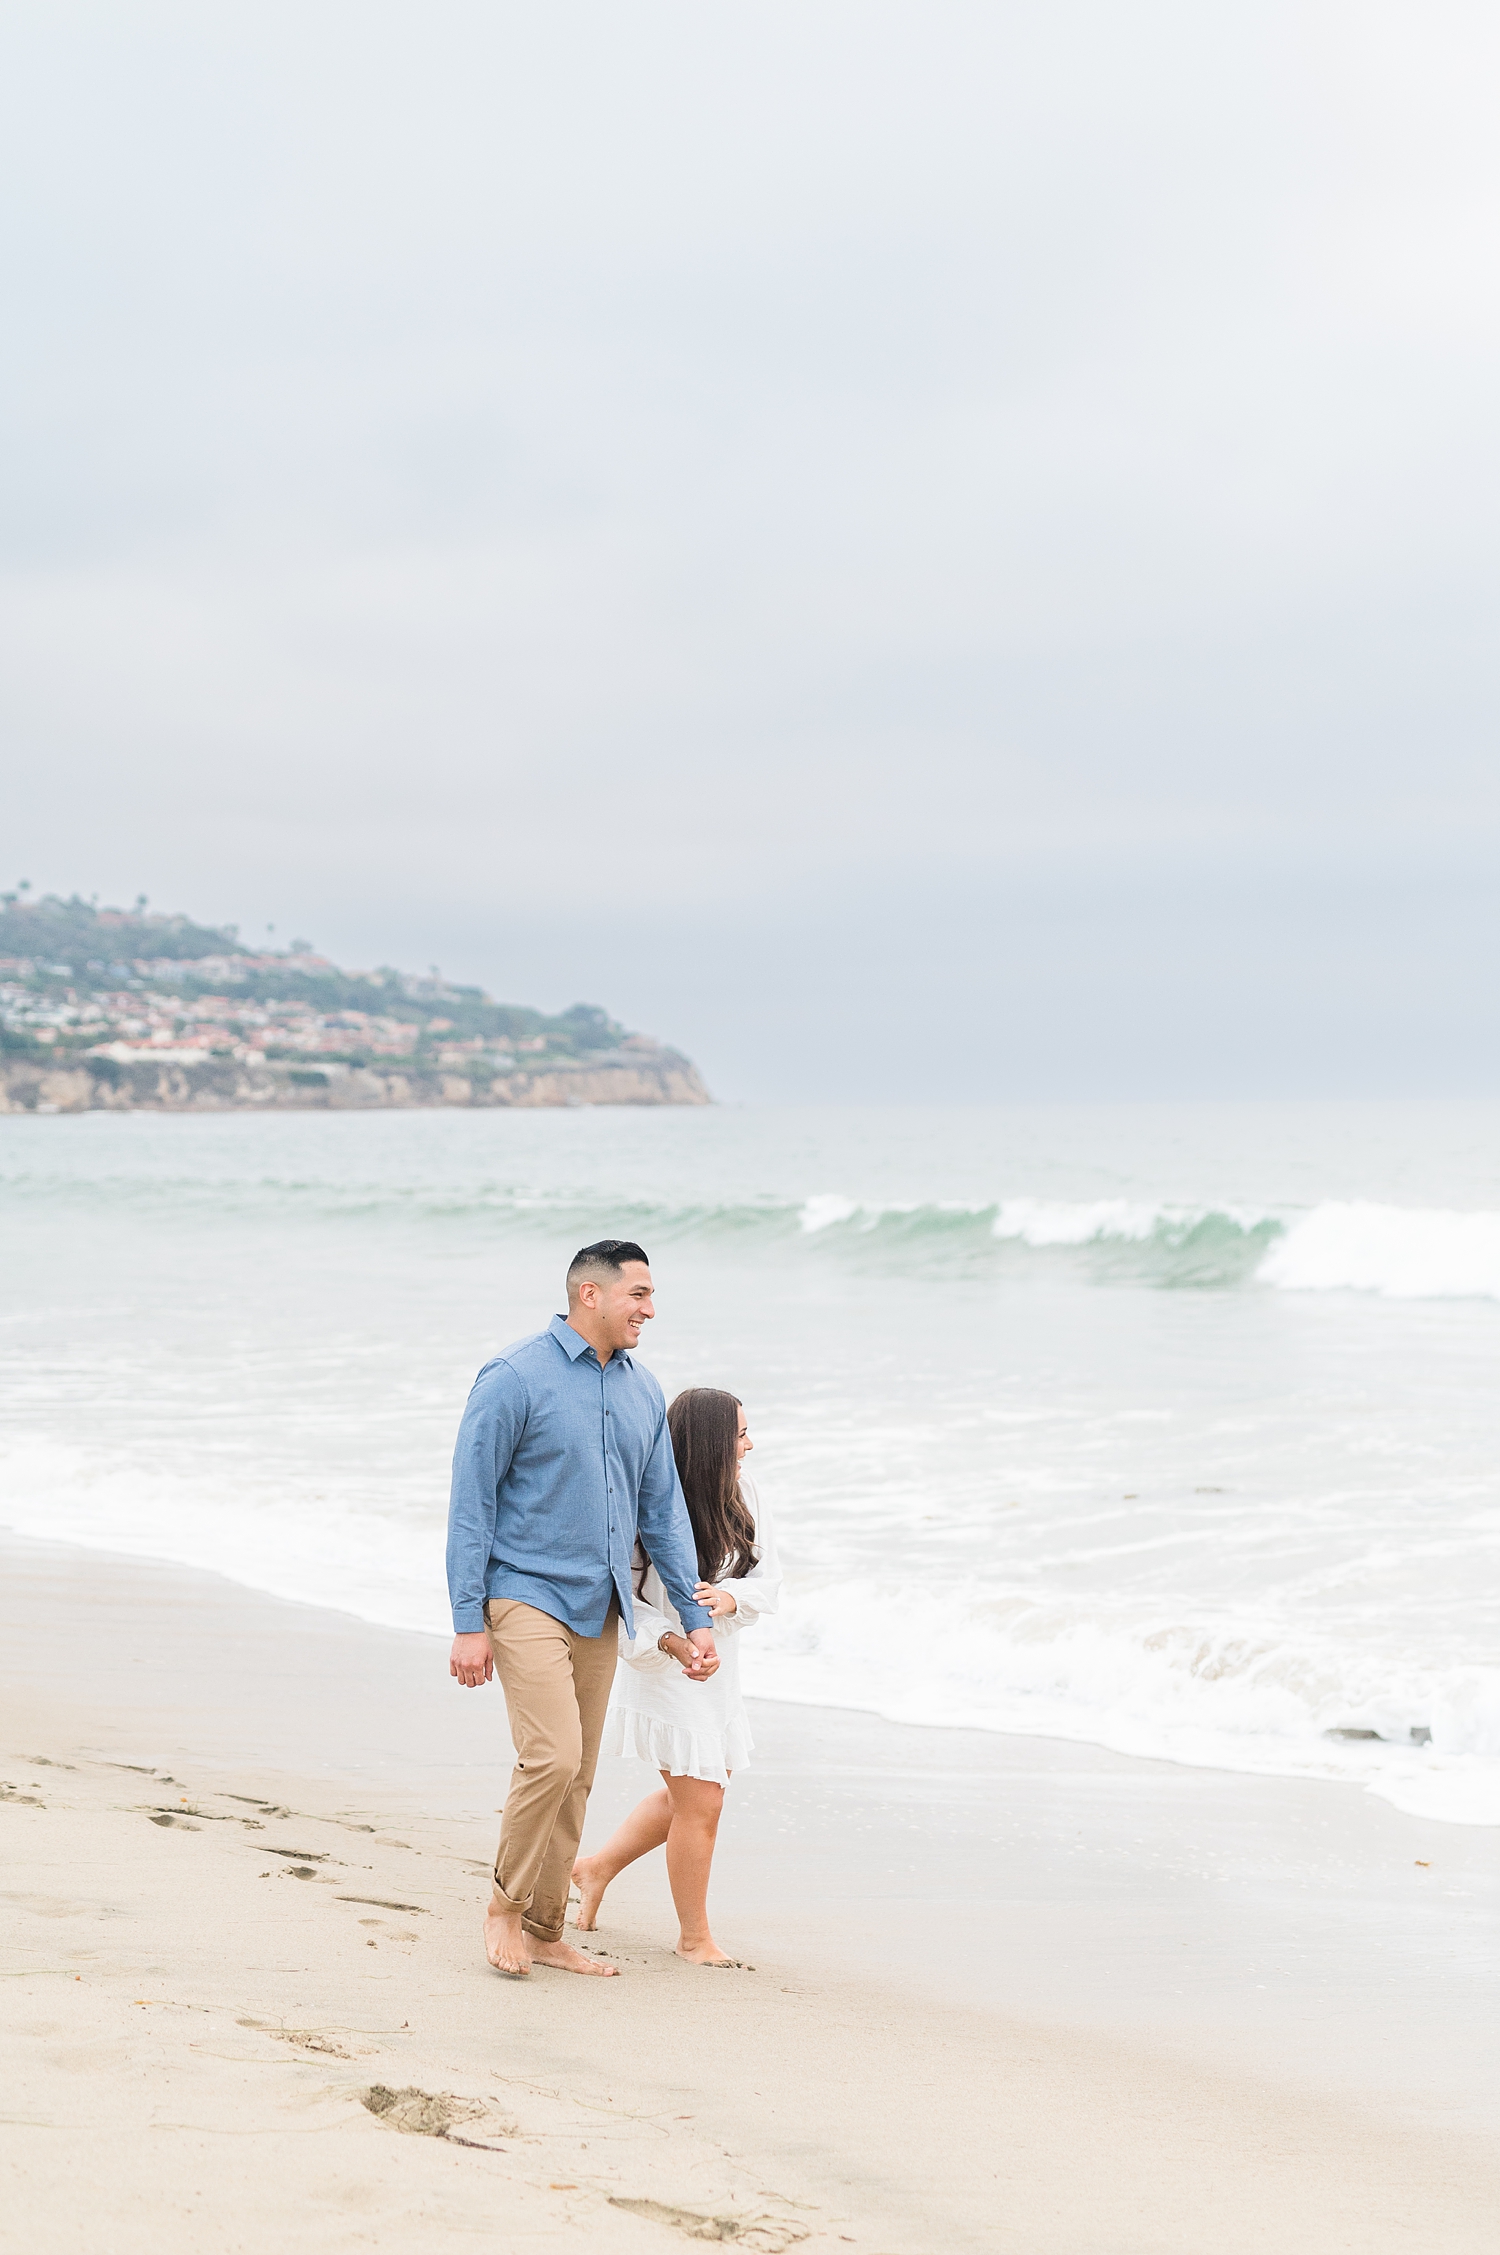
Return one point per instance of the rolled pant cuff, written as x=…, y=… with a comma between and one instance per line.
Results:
x=500, y=1896
x=541, y=1933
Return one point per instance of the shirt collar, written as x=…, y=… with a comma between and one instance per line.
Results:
x=574, y=1344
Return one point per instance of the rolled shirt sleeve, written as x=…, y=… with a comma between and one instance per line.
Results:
x=666, y=1532
x=493, y=1421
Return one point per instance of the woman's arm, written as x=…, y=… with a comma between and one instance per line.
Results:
x=652, y=1623
x=658, y=1645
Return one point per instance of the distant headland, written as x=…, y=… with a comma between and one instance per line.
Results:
x=112, y=1009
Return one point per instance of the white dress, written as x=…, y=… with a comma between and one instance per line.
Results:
x=656, y=1713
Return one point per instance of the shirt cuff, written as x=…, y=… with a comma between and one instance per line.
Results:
x=694, y=1617
x=468, y=1620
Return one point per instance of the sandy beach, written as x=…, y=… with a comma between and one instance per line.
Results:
x=1007, y=1992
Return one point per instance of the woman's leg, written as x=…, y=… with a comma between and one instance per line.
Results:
x=696, y=1809
x=645, y=1828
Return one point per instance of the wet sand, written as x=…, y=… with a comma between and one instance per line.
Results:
x=1008, y=1993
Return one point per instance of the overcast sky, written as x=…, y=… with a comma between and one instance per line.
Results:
x=912, y=550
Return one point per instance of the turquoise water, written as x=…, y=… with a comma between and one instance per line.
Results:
x=1171, y=1428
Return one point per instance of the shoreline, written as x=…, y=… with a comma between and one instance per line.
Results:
x=1405, y=1792
x=1008, y=1992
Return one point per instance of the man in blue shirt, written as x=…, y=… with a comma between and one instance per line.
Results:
x=563, y=1458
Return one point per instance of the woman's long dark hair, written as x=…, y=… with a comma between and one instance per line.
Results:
x=704, y=1423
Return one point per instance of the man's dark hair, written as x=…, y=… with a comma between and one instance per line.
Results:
x=605, y=1258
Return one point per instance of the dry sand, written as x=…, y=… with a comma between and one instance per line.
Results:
x=1007, y=1995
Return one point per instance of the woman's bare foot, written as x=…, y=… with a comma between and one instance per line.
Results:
x=590, y=1892
x=567, y=1959
x=505, y=1942
x=708, y=1952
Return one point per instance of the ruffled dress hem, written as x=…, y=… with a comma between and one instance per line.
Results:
x=710, y=1754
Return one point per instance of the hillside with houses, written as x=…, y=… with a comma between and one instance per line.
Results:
x=119, y=1009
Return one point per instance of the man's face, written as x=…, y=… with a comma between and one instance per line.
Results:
x=619, y=1306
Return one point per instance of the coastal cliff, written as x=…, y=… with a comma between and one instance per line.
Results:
x=224, y=1085
x=115, y=1010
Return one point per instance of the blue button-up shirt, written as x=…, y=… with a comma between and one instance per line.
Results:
x=561, y=1460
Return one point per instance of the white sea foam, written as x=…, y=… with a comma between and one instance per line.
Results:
x=1178, y=1682
x=825, y=1209
x=1221, y=1693
x=1043, y=1221
x=1400, y=1252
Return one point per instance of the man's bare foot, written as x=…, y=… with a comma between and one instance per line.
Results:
x=567, y=1959
x=505, y=1942
x=709, y=1953
x=590, y=1892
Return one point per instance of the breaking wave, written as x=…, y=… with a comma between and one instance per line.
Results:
x=1335, y=1246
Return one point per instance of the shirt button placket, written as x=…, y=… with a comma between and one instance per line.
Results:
x=609, y=1483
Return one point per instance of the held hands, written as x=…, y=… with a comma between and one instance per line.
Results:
x=718, y=1601
x=473, y=1663
x=695, y=1653
x=471, y=1660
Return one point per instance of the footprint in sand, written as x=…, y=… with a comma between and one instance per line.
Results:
x=768, y=2235
x=437, y=2114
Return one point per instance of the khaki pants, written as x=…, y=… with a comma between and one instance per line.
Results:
x=556, y=1687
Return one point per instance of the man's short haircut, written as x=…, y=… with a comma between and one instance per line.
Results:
x=606, y=1258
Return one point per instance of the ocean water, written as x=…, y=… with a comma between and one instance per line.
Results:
x=1174, y=1429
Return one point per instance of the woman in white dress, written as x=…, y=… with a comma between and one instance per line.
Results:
x=694, y=1731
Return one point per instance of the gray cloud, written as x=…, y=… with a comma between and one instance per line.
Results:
x=958, y=534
